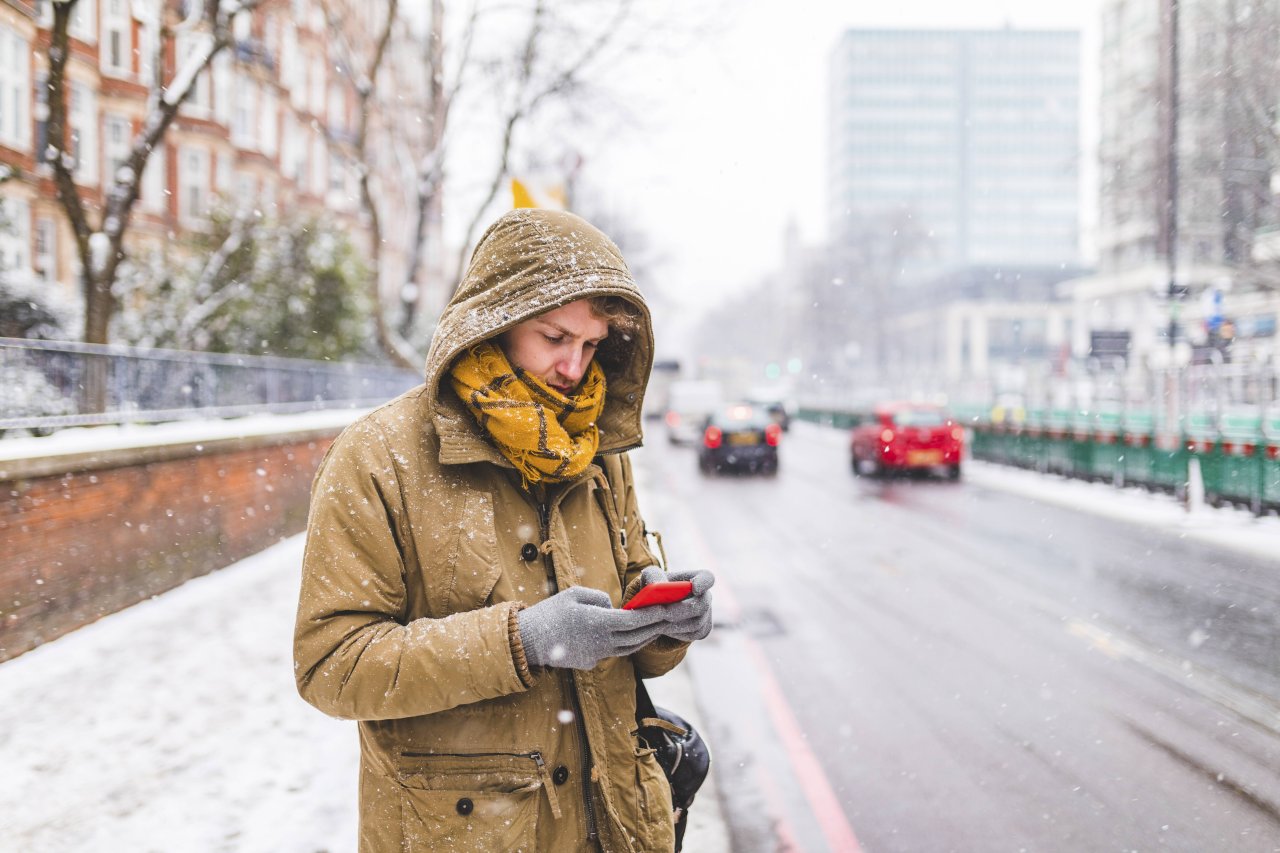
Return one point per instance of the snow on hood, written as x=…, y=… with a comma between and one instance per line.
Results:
x=531, y=261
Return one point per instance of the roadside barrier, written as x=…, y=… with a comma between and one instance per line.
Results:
x=1238, y=451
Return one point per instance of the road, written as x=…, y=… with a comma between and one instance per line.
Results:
x=927, y=665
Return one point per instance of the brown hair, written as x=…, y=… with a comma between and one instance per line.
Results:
x=624, y=319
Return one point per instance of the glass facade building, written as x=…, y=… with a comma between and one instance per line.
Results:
x=974, y=135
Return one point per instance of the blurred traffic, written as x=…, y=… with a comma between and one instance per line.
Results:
x=740, y=437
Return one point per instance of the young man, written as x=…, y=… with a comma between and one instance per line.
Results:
x=468, y=550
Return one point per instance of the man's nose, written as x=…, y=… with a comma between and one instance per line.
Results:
x=572, y=366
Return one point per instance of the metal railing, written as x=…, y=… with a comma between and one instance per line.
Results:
x=43, y=384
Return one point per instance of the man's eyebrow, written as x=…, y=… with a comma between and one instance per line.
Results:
x=568, y=334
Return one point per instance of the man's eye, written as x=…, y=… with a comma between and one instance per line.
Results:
x=555, y=339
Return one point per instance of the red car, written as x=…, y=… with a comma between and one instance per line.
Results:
x=907, y=437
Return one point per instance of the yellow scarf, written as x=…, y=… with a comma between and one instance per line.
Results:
x=548, y=436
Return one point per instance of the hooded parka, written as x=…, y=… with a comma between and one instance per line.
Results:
x=423, y=544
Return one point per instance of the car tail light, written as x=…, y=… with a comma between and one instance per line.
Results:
x=711, y=438
x=673, y=419
x=957, y=434
x=886, y=436
x=772, y=435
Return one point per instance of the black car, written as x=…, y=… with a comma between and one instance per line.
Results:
x=740, y=437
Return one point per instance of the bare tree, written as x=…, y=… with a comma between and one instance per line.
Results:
x=363, y=73
x=869, y=260
x=537, y=56
x=100, y=244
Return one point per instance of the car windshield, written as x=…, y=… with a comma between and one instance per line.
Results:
x=919, y=417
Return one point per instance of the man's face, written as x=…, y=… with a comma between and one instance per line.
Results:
x=556, y=346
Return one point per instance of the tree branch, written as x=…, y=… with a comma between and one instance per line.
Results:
x=56, y=129
x=240, y=228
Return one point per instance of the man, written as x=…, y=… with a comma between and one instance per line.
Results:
x=468, y=548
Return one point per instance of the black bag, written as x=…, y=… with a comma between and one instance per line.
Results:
x=681, y=753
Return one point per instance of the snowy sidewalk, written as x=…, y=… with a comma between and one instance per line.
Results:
x=1225, y=527
x=175, y=725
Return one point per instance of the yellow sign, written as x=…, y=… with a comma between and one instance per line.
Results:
x=532, y=193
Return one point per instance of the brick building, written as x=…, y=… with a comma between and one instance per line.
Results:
x=265, y=126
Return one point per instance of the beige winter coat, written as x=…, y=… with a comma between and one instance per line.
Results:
x=422, y=545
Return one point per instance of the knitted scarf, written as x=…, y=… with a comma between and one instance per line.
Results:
x=547, y=435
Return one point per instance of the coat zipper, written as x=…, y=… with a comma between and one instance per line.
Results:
x=544, y=518
x=544, y=775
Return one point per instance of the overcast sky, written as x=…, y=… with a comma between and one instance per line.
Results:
x=734, y=139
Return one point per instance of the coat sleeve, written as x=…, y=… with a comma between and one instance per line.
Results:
x=355, y=655
x=664, y=653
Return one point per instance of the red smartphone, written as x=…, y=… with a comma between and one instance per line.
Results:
x=662, y=592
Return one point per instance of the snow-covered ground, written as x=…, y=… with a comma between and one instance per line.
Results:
x=1223, y=526
x=175, y=725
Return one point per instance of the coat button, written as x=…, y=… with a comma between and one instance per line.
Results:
x=465, y=806
x=528, y=552
x=560, y=775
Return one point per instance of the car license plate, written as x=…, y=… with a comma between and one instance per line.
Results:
x=924, y=457
x=744, y=438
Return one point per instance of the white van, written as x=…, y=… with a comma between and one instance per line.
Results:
x=689, y=403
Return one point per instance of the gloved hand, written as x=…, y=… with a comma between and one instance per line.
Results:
x=690, y=619
x=686, y=620
x=578, y=627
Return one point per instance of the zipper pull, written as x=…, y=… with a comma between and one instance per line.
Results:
x=547, y=784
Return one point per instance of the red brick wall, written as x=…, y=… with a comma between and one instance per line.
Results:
x=119, y=529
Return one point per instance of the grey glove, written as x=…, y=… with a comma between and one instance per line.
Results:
x=690, y=619
x=578, y=627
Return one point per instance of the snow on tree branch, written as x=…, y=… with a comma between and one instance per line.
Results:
x=179, y=87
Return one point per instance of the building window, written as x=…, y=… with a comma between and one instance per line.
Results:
x=42, y=119
x=46, y=250
x=15, y=88
x=193, y=184
x=224, y=87
x=289, y=65
x=245, y=114
x=155, y=183
x=269, y=135
x=242, y=26
x=317, y=86
x=83, y=23
x=116, y=150
x=336, y=175
x=117, y=32
x=15, y=237
x=83, y=116
x=319, y=159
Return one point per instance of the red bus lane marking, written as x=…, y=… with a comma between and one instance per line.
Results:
x=813, y=781
x=804, y=764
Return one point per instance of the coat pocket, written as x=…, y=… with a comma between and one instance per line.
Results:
x=473, y=566
x=470, y=801
x=655, y=823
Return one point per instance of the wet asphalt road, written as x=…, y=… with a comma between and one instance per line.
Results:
x=929, y=665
